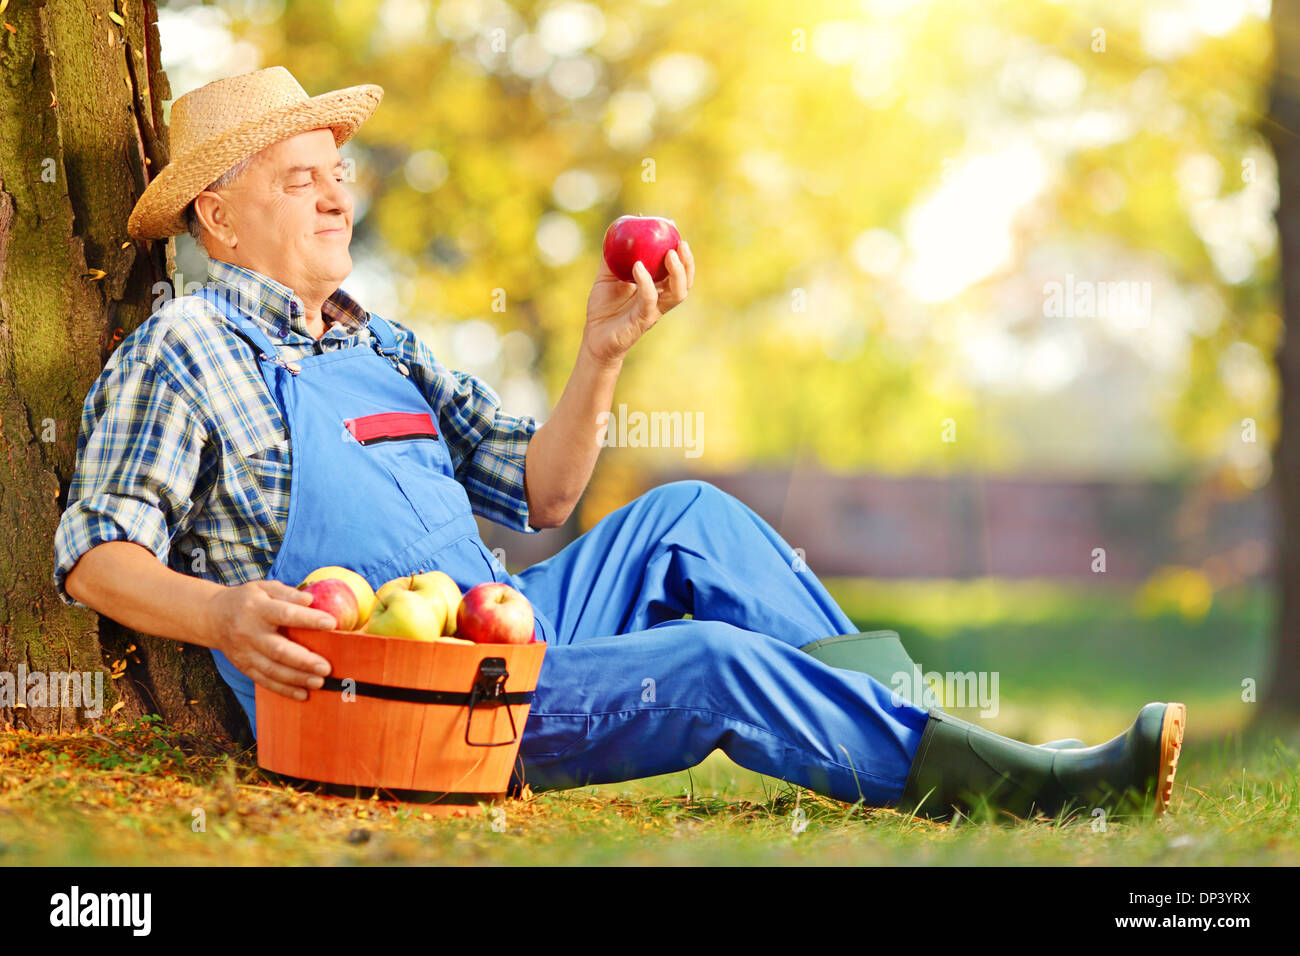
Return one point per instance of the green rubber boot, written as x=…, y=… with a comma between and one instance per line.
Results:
x=962, y=767
x=879, y=654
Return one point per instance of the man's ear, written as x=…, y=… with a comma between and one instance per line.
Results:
x=213, y=213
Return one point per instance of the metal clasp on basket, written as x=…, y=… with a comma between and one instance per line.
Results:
x=489, y=691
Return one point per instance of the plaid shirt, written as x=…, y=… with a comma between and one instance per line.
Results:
x=183, y=450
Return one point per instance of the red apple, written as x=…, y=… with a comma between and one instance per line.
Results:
x=495, y=613
x=359, y=585
x=337, y=598
x=647, y=238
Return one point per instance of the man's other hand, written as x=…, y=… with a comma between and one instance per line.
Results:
x=619, y=313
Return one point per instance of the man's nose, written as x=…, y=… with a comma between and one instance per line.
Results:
x=336, y=196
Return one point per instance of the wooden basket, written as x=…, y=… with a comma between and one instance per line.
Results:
x=412, y=721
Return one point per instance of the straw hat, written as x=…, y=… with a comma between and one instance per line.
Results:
x=228, y=120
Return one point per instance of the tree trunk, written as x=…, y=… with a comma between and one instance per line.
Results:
x=81, y=126
x=1280, y=687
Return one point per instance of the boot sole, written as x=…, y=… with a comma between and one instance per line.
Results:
x=1171, y=745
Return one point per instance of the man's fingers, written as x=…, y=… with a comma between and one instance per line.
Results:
x=641, y=276
x=676, y=276
x=284, y=614
x=278, y=589
x=270, y=683
x=645, y=287
x=289, y=676
x=278, y=649
x=689, y=261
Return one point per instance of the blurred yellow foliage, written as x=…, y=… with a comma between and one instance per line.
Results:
x=875, y=194
x=1177, y=589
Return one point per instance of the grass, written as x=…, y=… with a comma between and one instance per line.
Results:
x=142, y=793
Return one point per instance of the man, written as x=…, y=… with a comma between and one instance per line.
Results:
x=242, y=437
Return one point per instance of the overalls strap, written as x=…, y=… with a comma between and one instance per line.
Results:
x=384, y=339
x=383, y=331
x=244, y=325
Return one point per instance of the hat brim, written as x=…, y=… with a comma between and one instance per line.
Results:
x=160, y=210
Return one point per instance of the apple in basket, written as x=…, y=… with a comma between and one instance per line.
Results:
x=331, y=600
x=495, y=613
x=336, y=598
x=402, y=610
x=431, y=585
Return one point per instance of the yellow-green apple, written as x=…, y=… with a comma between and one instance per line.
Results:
x=450, y=594
x=360, y=587
x=334, y=596
x=495, y=613
x=426, y=584
x=403, y=613
x=648, y=238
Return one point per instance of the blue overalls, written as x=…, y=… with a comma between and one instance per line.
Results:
x=628, y=689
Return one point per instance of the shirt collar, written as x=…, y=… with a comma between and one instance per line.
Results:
x=278, y=308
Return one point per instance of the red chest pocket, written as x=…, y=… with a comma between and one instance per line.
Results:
x=391, y=426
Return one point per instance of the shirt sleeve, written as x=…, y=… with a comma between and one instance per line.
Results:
x=138, y=457
x=487, y=447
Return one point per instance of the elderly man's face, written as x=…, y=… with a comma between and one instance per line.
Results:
x=291, y=216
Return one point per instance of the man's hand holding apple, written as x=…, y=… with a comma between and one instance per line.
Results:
x=243, y=622
x=619, y=312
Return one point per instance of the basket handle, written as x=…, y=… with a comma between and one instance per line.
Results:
x=489, y=690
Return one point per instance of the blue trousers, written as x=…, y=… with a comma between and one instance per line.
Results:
x=629, y=689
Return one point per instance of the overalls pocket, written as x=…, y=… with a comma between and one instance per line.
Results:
x=408, y=447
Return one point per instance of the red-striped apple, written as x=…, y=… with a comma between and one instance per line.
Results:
x=335, y=597
x=359, y=585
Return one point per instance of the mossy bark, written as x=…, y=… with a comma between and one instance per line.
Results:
x=81, y=126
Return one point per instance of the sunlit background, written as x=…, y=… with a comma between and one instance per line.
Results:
x=989, y=272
